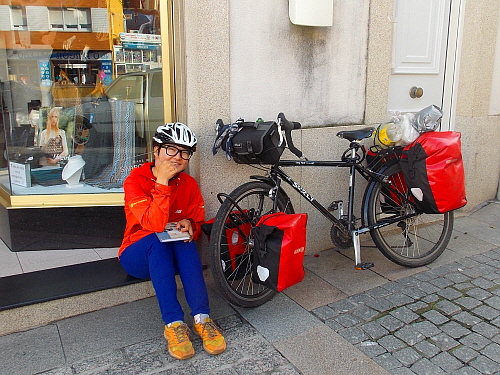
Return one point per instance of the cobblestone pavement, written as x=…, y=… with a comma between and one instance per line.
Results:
x=248, y=354
x=442, y=321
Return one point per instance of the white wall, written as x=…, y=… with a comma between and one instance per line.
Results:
x=315, y=75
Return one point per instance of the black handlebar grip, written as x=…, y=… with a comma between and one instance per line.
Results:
x=288, y=127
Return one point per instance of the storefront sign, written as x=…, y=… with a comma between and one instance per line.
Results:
x=20, y=174
x=107, y=69
x=57, y=55
x=140, y=38
x=131, y=45
x=77, y=55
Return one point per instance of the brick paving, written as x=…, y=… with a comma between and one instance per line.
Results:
x=441, y=321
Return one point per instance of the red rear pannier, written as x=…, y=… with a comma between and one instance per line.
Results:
x=434, y=171
x=280, y=242
x=234, y=240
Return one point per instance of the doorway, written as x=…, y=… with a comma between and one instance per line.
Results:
x=424, y=54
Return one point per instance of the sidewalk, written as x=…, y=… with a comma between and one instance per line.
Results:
x=439, y=319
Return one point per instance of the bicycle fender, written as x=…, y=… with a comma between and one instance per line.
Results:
x=263, y=179
x=368, y=193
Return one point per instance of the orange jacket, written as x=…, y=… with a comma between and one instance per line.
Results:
x=150, y=206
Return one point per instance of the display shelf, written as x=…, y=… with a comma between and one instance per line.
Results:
x=134, y=60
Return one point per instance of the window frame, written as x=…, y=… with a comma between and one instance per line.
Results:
x=76, y=16
x=15, y=9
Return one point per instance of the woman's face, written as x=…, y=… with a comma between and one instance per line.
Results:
x=179, y=162
x=54, y=118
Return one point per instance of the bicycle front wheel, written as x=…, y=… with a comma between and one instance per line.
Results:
x=231, y=242
x=412, y=242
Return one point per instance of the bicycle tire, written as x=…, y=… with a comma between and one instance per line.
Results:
x=412, y=242
x=233, y=273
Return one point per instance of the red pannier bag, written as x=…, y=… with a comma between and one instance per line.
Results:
x=234, y=252
x=434, y=171
x=280, y=243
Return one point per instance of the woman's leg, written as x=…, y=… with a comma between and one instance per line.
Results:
x=191, y=273
x=150, y=258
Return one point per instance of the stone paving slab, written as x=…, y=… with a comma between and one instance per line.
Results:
x=31, y=352
x=444, y=329
x=321, y=351
x=337, y=269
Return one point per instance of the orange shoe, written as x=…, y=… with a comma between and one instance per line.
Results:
x=179, y=345
x=213, y=341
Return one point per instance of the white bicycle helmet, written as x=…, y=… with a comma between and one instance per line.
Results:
x=177, y=133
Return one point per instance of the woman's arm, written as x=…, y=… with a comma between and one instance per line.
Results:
x=196, y=212
x=149, y=208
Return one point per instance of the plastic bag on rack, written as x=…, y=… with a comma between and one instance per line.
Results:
x=427, y=119
x=408, y=133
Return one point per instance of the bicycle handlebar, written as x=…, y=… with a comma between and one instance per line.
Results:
x=288, y=126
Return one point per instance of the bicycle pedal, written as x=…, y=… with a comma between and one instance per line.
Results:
x=334, y=206
x=364, y=265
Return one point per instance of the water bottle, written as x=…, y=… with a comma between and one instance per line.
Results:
x=388, y=134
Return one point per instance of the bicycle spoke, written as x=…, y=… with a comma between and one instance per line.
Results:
x=417, y=238
x=231, y=243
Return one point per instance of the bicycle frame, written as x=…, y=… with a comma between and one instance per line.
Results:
x=277, y=174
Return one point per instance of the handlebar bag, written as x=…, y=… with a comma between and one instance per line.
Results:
x=280, y=242
x=234, y=241
x=434, y=171
x=256, y=143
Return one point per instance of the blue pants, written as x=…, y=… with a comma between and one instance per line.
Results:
x=160, y=261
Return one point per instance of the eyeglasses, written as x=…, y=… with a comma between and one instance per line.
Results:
x=172, y=151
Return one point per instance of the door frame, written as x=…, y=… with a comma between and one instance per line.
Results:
x=452, y=64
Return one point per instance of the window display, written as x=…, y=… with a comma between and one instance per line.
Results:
x=63, y=132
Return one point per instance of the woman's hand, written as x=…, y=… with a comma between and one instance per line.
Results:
x=165, y=171
x=185, y=225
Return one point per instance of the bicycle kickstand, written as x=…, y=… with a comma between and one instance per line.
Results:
x=357, y=253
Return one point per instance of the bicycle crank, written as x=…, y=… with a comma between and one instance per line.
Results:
x=342, y=239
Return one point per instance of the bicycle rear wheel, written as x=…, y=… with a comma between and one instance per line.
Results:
x=411, y=242
x=231, y=242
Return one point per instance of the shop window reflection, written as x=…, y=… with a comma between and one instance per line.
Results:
x=66, y=57
x=70, y=19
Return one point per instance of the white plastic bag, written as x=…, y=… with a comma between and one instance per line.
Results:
x=409, y=133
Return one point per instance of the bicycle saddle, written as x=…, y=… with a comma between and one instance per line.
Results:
x=356, y=135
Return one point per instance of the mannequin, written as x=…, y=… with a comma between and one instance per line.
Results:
x=73, y=171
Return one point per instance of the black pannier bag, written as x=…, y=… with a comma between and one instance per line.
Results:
x=434, y=171
x=280, y=243
x=259, y=142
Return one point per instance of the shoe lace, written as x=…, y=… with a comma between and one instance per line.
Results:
x=211, y=329
x=179, y=334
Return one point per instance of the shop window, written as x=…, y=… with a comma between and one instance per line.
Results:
x=70, y=19
x=19, y=18
x=73, y=127
x=129, y=88
x=157, y=85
